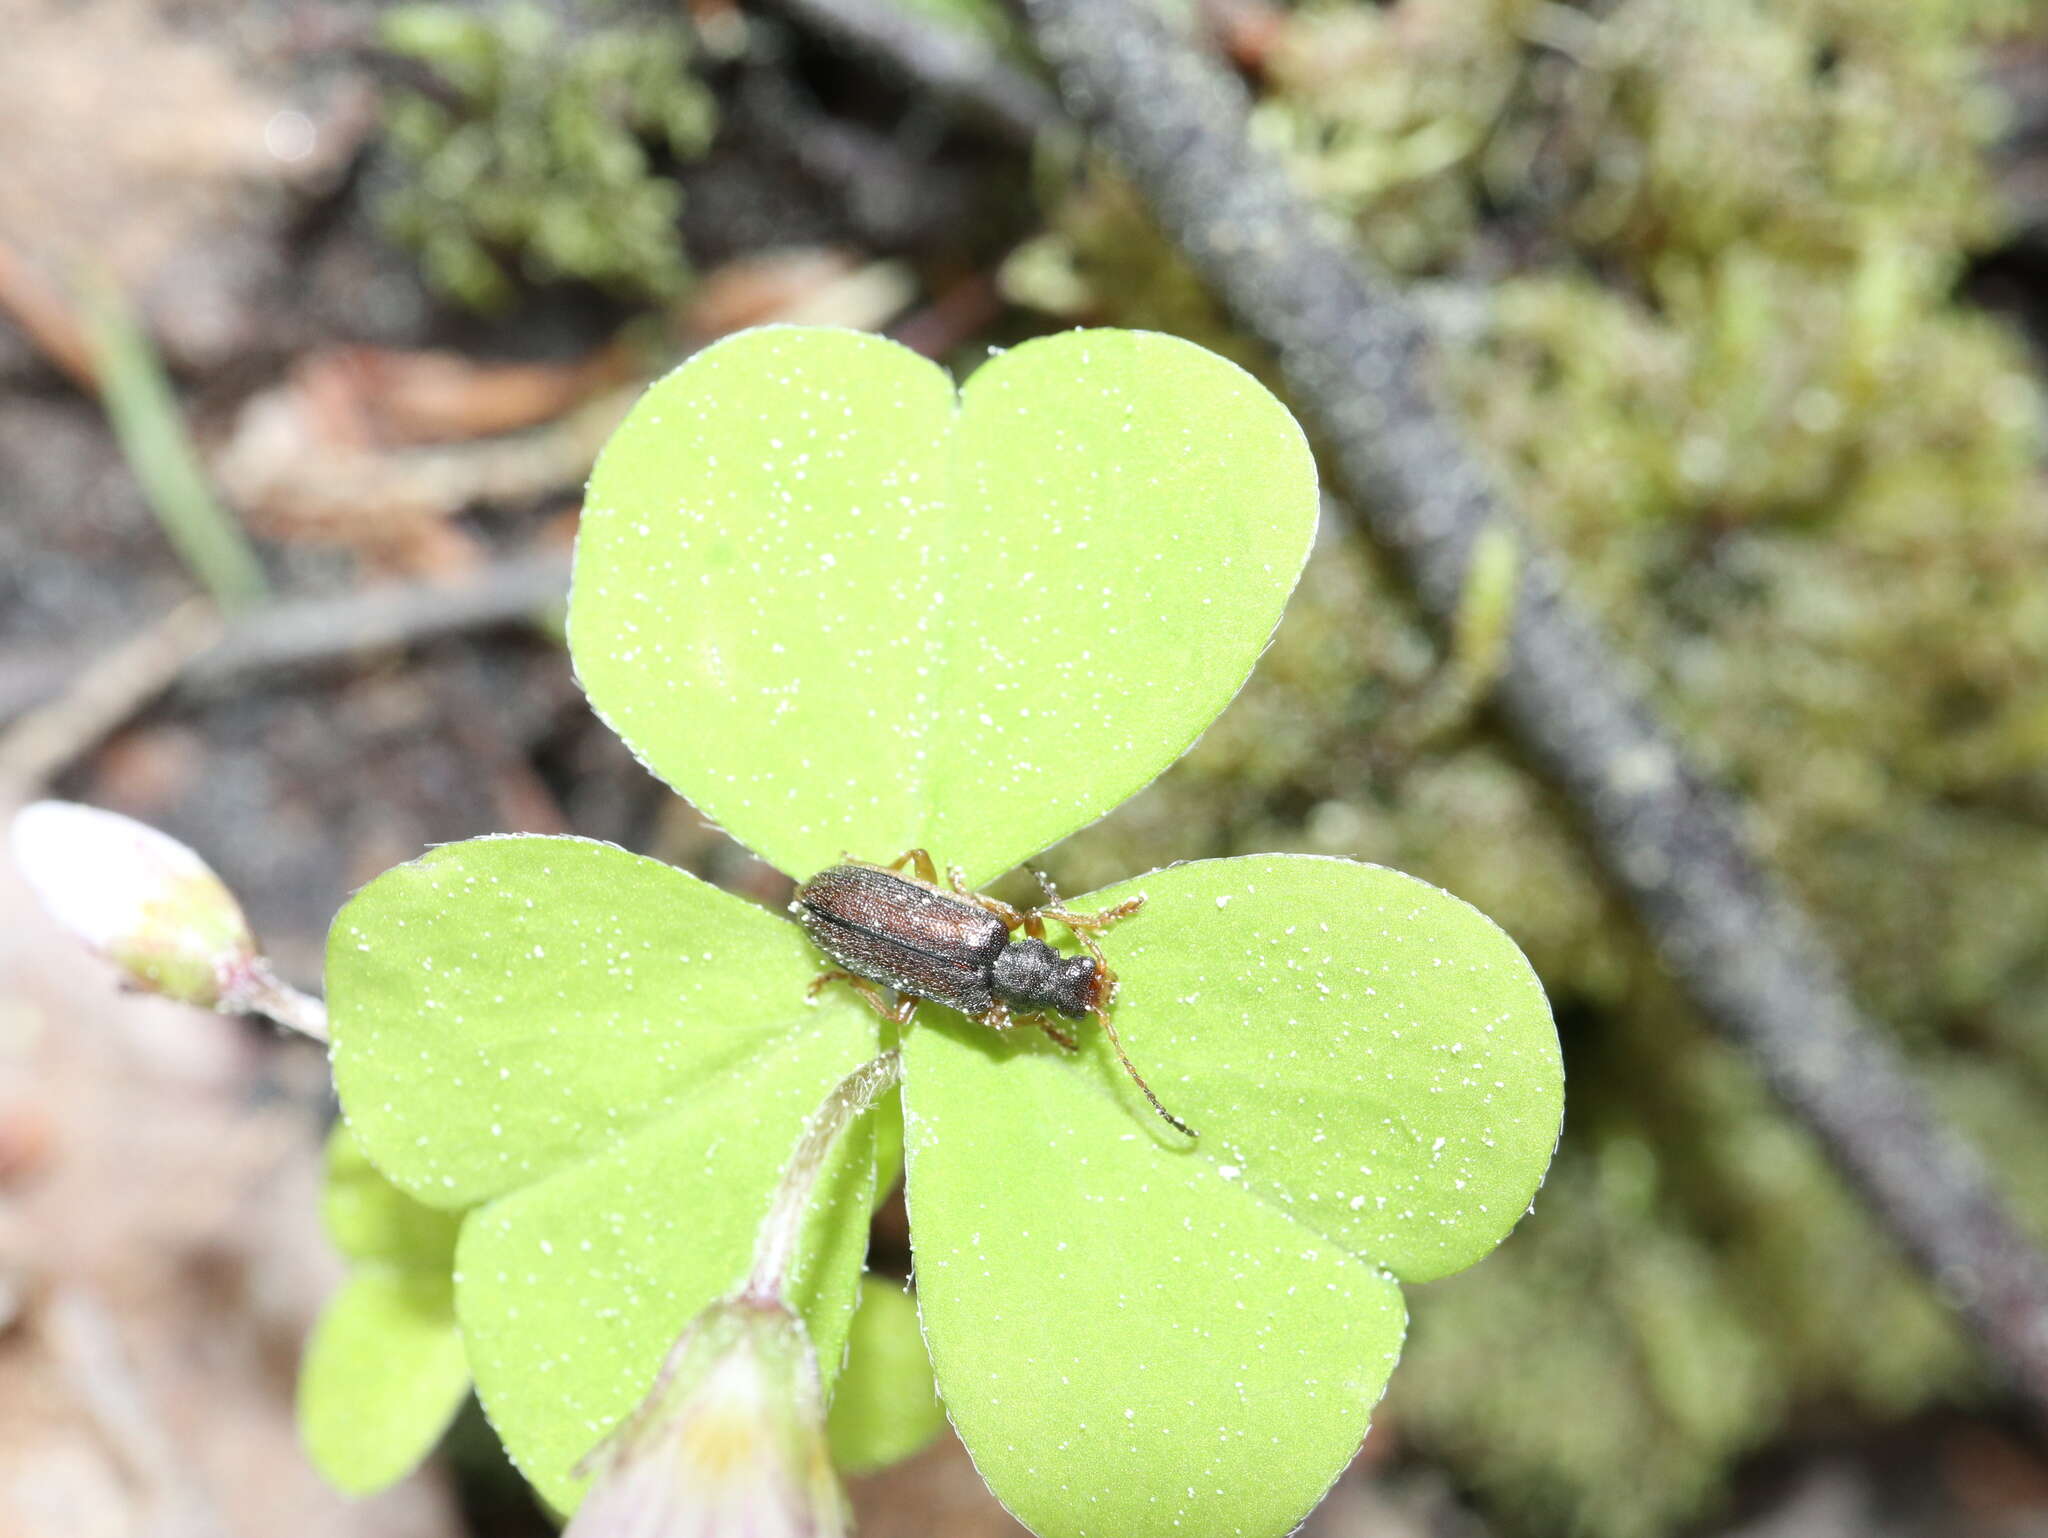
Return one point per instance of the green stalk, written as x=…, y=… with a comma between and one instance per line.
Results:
x=143, y=411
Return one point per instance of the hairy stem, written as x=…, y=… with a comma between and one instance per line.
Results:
x=775, y=1247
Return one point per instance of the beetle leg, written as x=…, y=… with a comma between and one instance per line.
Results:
x=1084, y=926
x=900, y=1014
x=1122, y=910
x=1093, y=923
x=1010, y=917
x=818, y=983
x=1034, y=921
x=918, y=859
x=1058, y=1035
x=1080, y=925
x=956, y=878
x=1000, y=1018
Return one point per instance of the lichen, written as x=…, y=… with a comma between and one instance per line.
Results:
x=541, y=152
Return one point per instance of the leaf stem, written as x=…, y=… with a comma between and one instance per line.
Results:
x=260, y=991
x=775, y=1247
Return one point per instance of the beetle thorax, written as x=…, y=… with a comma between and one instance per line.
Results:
x=1031, y=975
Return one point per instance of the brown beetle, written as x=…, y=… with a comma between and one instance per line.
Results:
x=954, y=947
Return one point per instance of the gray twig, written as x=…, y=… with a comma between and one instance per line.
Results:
x=1356, y=357
x=100, y=697
x=958, y=66
x=308, y=632
x=321, y=630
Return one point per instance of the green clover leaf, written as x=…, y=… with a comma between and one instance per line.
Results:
x=384, y=1371
x=1138, y=1336
x=886, y=1406
x=571, y=1290
x=845, y=611
x=612, y=1059
x=840, y=608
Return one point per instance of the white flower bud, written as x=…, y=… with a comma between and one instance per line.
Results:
x=141, y=899
x=730, y=1440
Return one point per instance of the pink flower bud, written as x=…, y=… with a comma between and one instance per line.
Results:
x=140, y=898
x=730, y=1442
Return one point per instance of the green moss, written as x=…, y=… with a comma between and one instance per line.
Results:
x=1387, y=115
x=540, y=151
x=1718, y=357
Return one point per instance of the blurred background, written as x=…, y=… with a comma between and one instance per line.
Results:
x=321, y=310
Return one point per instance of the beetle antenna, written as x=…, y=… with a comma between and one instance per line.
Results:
x=1105, y=986
x=1138, y=1079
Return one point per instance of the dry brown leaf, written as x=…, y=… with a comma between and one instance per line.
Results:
x=389, y=397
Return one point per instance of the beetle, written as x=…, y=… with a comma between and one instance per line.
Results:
x=956, y=947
